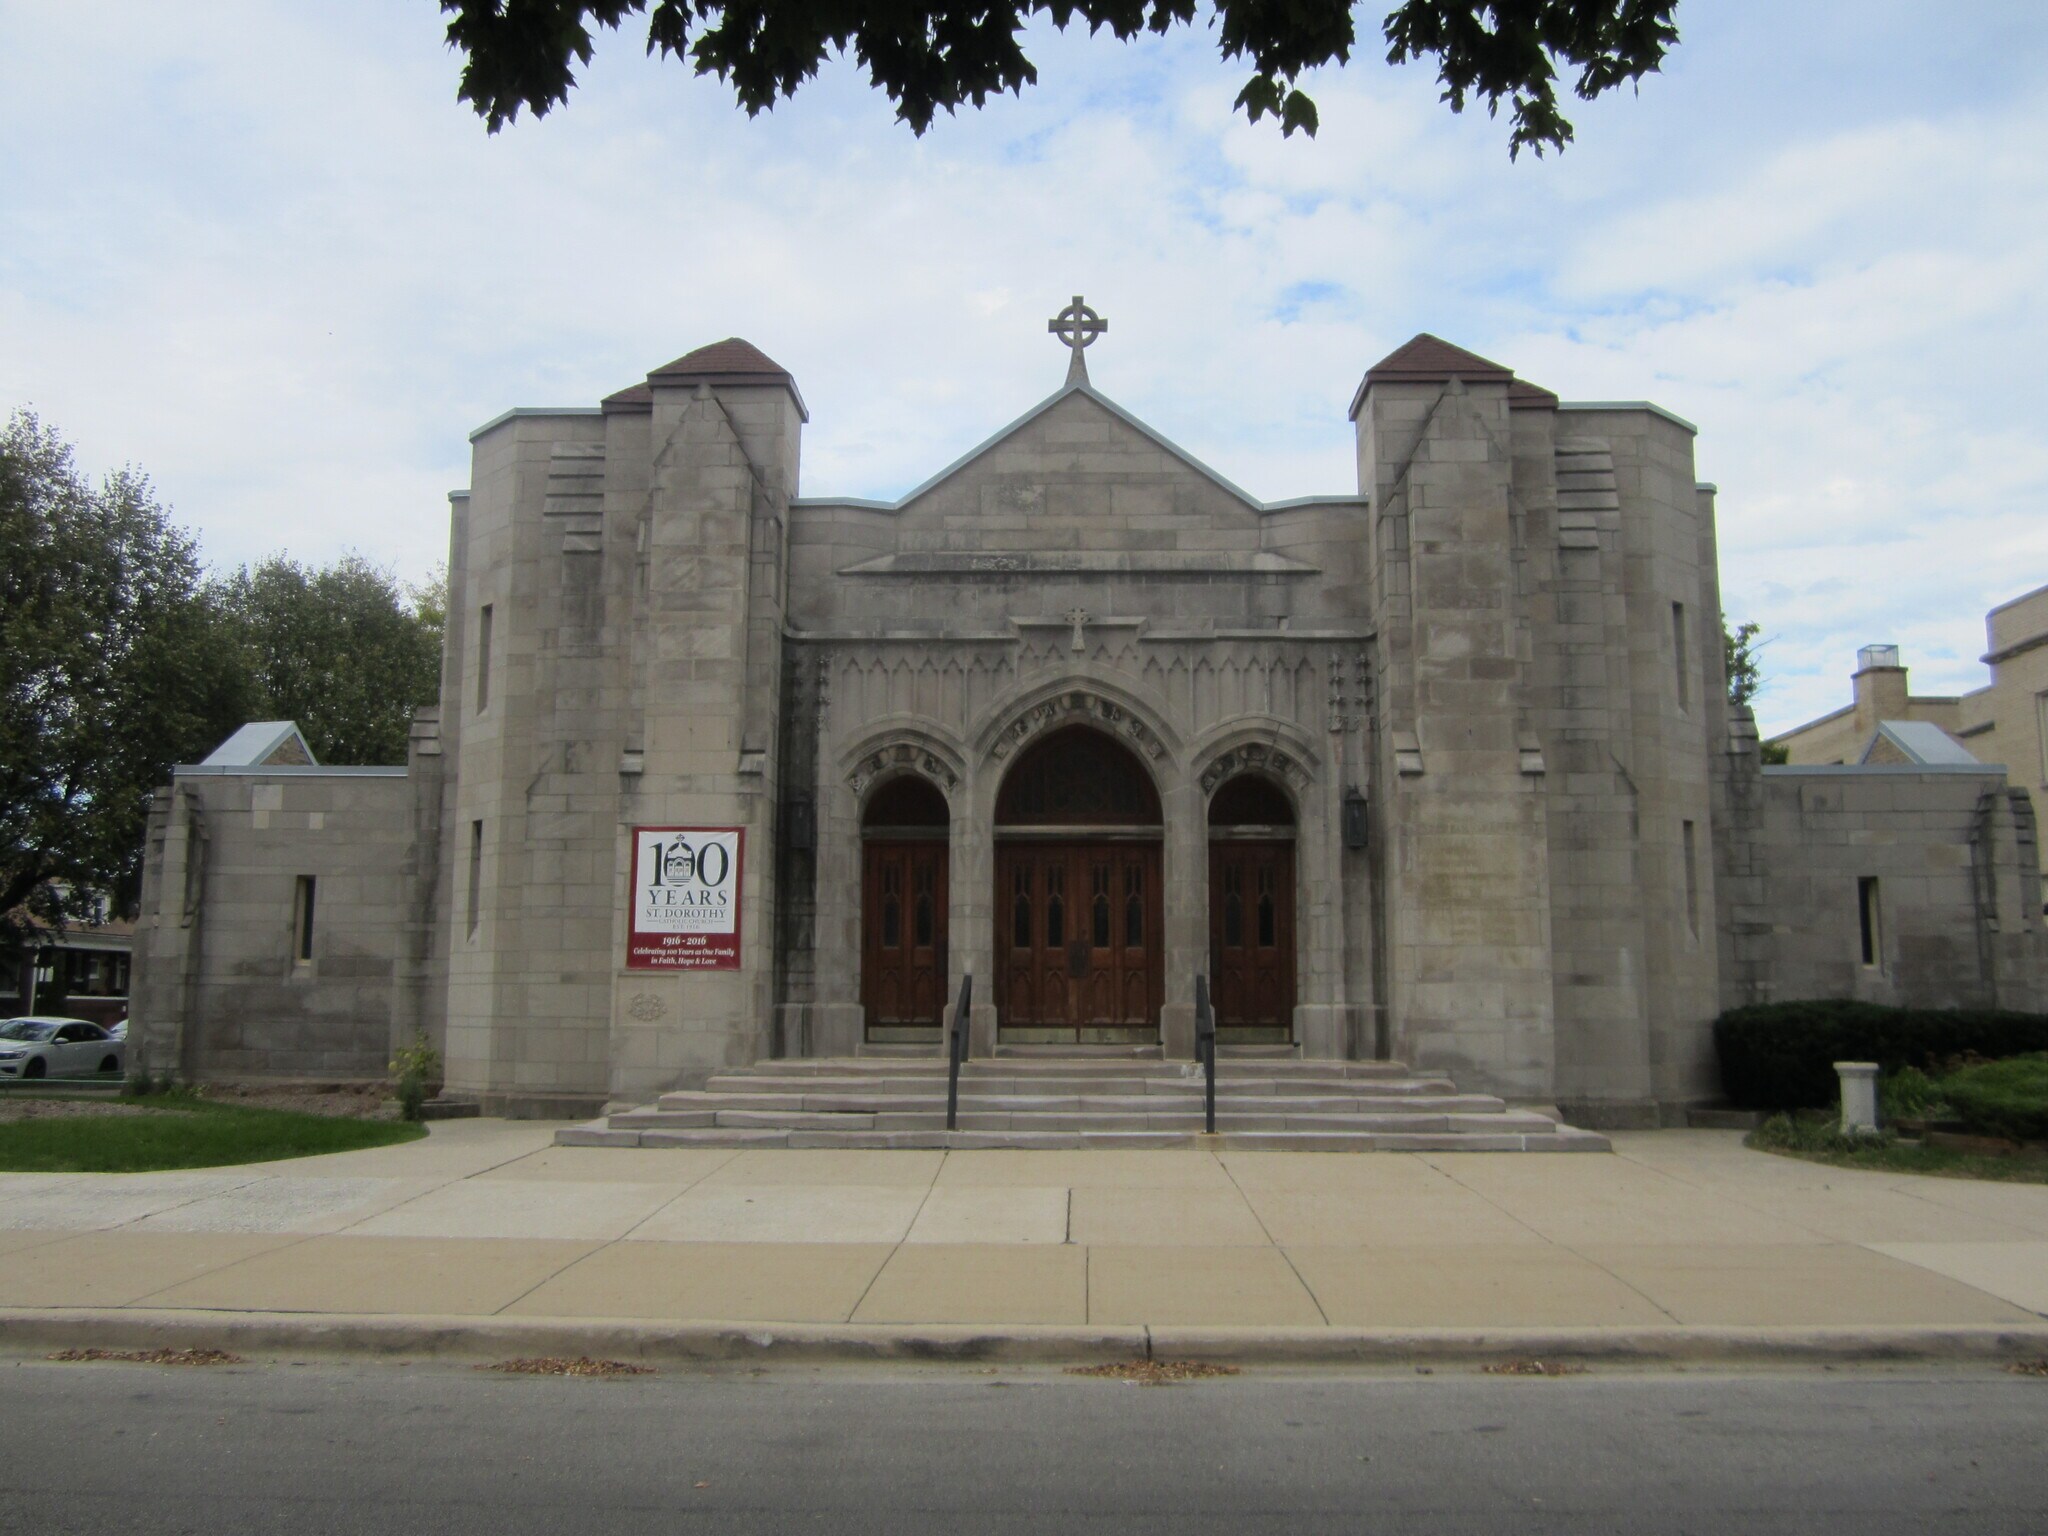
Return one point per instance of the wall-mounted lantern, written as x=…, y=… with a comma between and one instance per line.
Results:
x=1354, y=817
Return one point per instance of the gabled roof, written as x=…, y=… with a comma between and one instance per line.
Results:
x=1427, y=359
x=1920, y=741
x=734, y=360
x=1078, y=387
x=263, y=744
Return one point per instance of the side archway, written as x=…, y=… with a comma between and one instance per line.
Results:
x=1252, y=933
x=904, y=913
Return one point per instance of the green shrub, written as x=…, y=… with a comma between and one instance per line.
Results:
x=1811, y=1133
x=1909, y=1094
x=2002, y=1098
x=1783, y=1055
x=411, y=1068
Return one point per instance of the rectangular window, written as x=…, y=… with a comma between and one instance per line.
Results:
x=1692, y=882
x=302, y=921
x=1870, y=917
x=476, y=871
x=483, y=659
x=1678, y=655
x=2041, y=730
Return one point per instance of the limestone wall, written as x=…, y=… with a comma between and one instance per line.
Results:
x=219, y=989
x=1957, y=915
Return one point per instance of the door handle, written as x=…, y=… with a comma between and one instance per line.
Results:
x=1077, y=958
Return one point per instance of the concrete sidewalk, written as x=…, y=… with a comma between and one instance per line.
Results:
x=1676, y=1231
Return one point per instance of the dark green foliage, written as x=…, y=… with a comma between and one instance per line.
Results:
x=2001, y=1098
x=114, y=664
x=524, y=53
x=1782, y=1055
x=342, y=651
x=180, y=1131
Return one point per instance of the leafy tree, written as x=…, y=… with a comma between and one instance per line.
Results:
x=1746, y=674
x=1740, y=646
x=113, y=666
x=341, y=650
x=928, y=54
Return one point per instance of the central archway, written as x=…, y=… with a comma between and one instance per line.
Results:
x=1078, y=908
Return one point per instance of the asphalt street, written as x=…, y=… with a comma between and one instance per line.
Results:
x=315, y=1448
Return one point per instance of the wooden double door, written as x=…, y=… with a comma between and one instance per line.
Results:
x=903, y=932
x=1251, y=934
x=1078, y=936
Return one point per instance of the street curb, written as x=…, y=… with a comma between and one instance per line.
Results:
x=26, y=1330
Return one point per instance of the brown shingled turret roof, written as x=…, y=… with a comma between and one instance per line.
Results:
x=729, y=357
x=1428, y=359
x=731, y=361
x=1432, y=360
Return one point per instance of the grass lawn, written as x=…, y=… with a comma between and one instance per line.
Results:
x=179, y=1131
x=1816, y=1139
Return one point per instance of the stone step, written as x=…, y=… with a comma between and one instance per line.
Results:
x=1071, y=1103
x=1068, y=1065
x=850, y=1086
x=1099, y=1100
x=1555, y=1139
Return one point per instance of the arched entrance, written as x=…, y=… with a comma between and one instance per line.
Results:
x=1251, y=909
x=1079, y=946
x=903, y=910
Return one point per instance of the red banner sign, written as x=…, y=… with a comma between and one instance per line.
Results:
x=686, y=899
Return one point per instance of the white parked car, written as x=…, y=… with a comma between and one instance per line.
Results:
x=39, y=1045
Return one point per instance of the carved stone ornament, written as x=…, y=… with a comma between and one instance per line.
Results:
x=646, y=1007
x=903, y=755
x=1077, y=706
x=1254, y=757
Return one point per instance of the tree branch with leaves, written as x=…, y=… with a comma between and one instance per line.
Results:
x=525, y=53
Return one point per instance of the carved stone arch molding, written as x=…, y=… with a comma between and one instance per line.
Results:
x=890, y=750
x=1080, y=702
x=1271, y=747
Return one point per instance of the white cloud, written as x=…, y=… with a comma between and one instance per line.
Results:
x=258, y=249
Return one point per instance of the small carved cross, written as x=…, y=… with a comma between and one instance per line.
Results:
x=1077, y=325
x=1078, y=617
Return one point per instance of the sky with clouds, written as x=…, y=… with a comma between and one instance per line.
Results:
x=258, y=249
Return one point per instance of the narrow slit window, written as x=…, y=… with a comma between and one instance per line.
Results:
x=302, y=921
x=483, y=659
x=1692, y=882
x=1268, y=932
x=1055, y=907
x=1678, y=655
x=1134, y=906
x=1099, y=906
x=476, y=872
x=1870, y=918
x=1020, y=909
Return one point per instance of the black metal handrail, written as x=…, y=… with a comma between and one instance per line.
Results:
x=1205, y=1050
x=956, y=1051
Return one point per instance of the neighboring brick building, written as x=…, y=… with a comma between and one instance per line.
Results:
x=1439, y=767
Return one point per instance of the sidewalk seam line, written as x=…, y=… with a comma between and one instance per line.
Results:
x=897, y=1246
x=1299, y=1278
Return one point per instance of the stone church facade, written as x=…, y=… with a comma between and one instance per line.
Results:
x=1439, y=768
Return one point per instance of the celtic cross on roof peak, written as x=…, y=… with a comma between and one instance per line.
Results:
x=1077, y=325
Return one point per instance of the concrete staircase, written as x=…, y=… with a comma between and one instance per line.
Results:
x=1263, y=1103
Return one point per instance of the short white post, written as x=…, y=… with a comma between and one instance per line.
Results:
x=1859, y=1097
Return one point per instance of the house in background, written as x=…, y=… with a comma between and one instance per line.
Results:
x=81, y=972
x=2005, y=722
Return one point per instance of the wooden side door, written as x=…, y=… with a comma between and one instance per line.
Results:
x=1251, y=934
x=903, y=932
